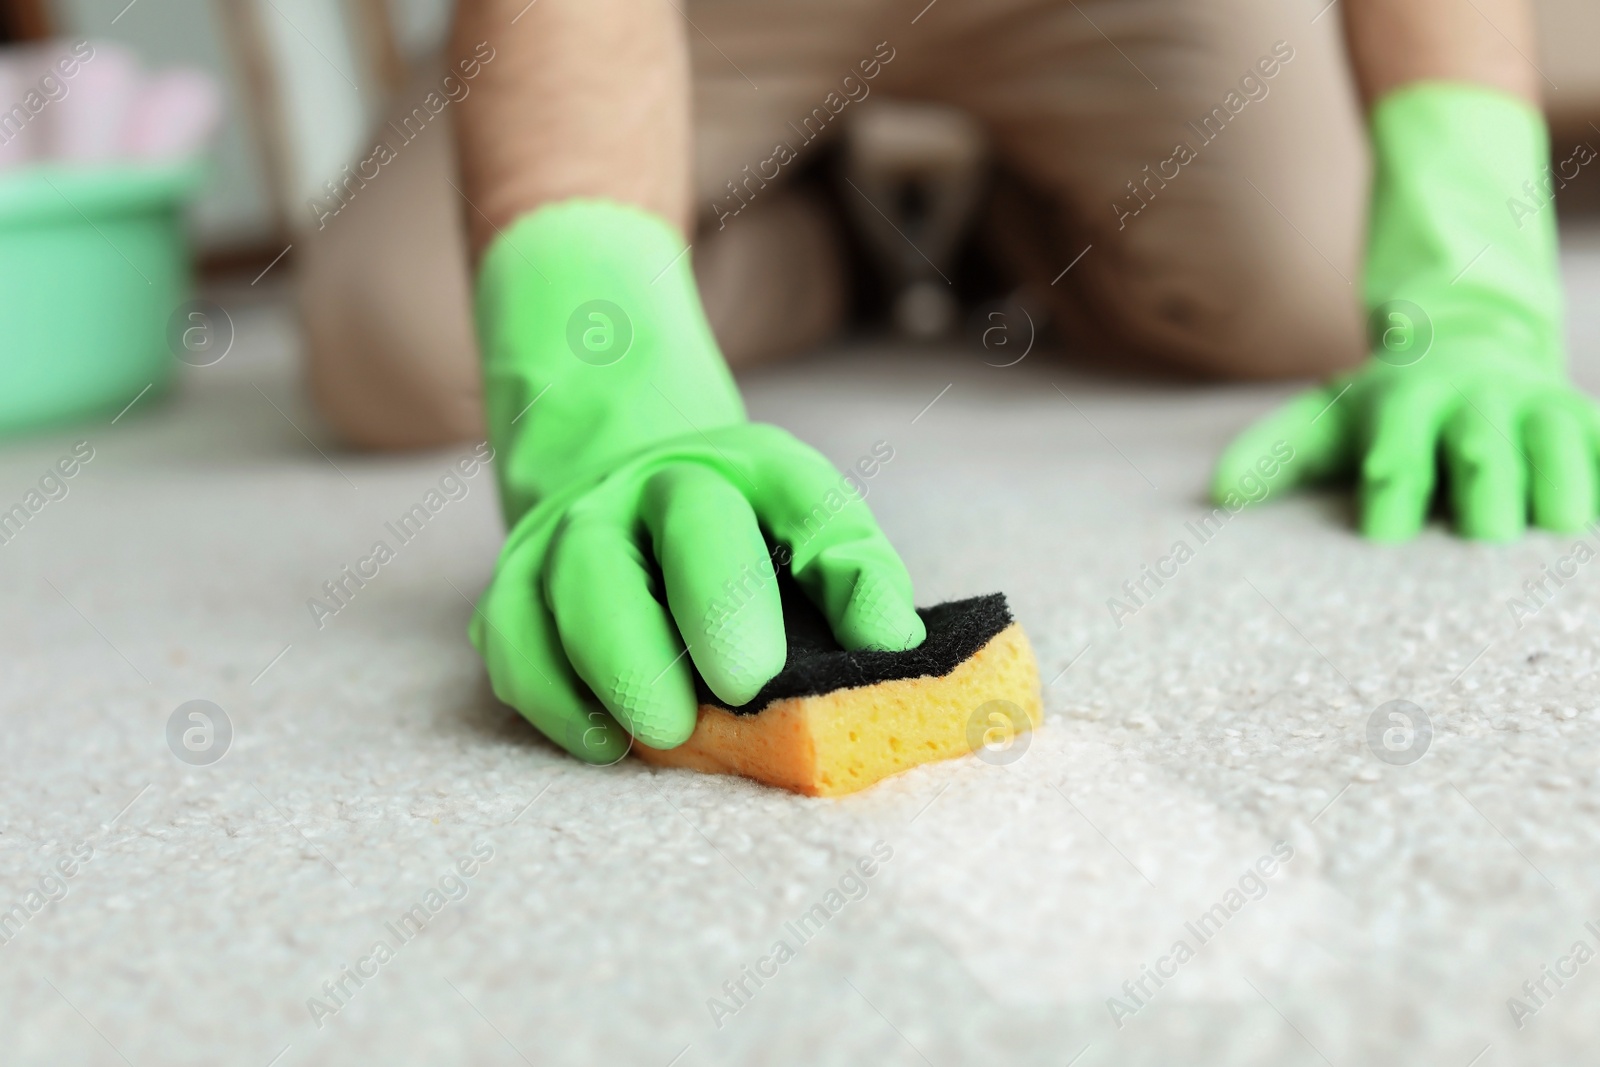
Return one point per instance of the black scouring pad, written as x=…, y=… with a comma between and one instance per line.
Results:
x=817, y=664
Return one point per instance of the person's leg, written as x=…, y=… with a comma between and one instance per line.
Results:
x=1169, y=212
x=391, y=357
x=385, y=288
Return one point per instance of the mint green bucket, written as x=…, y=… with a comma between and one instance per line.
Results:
x=93, y=262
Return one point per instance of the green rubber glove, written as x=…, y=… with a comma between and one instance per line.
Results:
x=1465, y=299
x=640, y=500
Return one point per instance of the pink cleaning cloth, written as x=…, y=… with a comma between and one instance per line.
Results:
x=172, y=116
x=90, y=103
x=87, y=125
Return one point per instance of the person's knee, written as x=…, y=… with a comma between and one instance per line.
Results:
x=1274, y=315
x=381, y=378
x=773, y=281
x=386, y=308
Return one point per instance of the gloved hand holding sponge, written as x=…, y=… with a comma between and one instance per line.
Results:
x=640, y=499
x=630, y=476
x=1467, y=361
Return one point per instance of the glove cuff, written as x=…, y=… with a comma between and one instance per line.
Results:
x=594, y=345
x=1463, y=223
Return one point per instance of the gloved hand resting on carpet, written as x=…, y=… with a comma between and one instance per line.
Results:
x=1467, y=363
x=637, y=493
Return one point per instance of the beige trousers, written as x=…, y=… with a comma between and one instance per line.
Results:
x=1184, y=179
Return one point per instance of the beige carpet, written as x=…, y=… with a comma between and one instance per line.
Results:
x=1204, y=775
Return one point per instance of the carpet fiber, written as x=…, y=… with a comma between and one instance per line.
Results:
x=1204, y=776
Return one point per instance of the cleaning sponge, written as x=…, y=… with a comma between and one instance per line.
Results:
x=833, y=721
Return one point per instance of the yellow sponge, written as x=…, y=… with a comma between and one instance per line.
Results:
x=832, y=741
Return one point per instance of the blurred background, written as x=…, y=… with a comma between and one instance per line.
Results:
x=304, y=80
x=182, y=140
x=301, y=82
x=200, y=147
x=295, y=112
